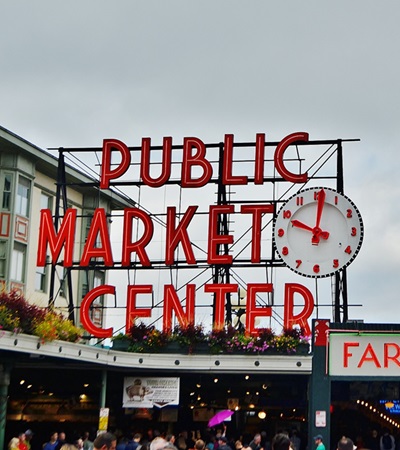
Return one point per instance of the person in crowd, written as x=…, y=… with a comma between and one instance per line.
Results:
x=22, y=442
x=169, y=446
x=52, y=444
x=13, y=444
x=345, y=443
x=181, y=442
x=79, y=444
x=28, y=438
x=295, y=440
x=199, y=445
x=87, y=443
x=255, y=444
x=67, y=446
x=280, y=441
x=62, y=439
x=373, y=440
x=387, y=441
x=318, y=439
x=134, y=443
x=122, y=443
x=238, y=445
x=105, y=441
x=158, y=443
x=223, y=443
x=170, y=438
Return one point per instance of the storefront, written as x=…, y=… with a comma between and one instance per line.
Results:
x=63, y=386
x=355, y=382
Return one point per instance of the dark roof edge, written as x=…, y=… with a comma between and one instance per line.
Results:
x=119, y=199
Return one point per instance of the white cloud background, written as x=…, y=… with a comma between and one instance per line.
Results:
x=73, y=73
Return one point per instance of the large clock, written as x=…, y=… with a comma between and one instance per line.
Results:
x=318, y=232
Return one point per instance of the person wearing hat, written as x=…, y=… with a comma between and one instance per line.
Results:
x=318, y=440
x=28, y=437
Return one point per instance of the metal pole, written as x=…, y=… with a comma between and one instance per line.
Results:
x=103, y=392
x=5, y=370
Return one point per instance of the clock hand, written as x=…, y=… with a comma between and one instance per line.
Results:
x=317, y=233
x=298, y=224
x=320, y=206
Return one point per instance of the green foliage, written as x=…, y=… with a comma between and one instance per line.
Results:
x=55, y=326
x=9, y=321
x=143, y=338
x=17, y=315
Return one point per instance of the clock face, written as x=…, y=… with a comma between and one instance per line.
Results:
x=318, y=232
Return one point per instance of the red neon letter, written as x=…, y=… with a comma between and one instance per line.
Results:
x=172, y=303
x=220, y=291
x=257, y=211
x=369, y=355
x=179, y=234
x=139, y=246
x=106, y=173
x=387, y=357
x=259, y=160
x=85, y=311
x=131, y=311
x=346, y=352
x=227, y=177
x=252, y=311
x=291, y=319
x=47, y=235
x=98, y=225
x=215, y=239
x=198, y=159
x=165, y=164
x=278, y=157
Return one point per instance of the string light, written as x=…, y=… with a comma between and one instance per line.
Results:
x=383, y=416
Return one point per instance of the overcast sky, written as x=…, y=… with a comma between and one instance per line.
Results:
x=73, y=73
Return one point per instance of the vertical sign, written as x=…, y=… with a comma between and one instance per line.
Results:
x=103, y=419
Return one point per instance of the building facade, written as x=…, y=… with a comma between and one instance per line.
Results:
x=28, y=184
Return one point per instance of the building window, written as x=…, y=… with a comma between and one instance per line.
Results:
x=3, y=259
x=6, y=205
x=64, y=283
x=46, y=202
x=23, y=194
x=41, y=278
x=17, y=272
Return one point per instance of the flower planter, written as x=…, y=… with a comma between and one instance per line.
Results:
x=202, y=348
x=303, y=349
x=120, y=345
x=174, y=347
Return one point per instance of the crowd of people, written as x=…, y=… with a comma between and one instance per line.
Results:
x=212, y=441
x=57, y=441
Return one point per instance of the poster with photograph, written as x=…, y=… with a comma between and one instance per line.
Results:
x=143, y=392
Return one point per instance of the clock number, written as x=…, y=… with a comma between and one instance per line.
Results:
x=349, y=214
x=285, y=251
x=287, y=214
x=281, y=232
x=348, y=250
x=335, y=263
x=353, y=231
x=316, y=268
x=299, y=201
x=298, y=263
x=336, y=200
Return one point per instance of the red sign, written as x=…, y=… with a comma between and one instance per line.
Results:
x=196, y=171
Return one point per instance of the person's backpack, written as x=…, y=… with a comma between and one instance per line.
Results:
x=387, y=442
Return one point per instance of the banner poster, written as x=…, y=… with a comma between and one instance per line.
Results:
x=149, y=392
